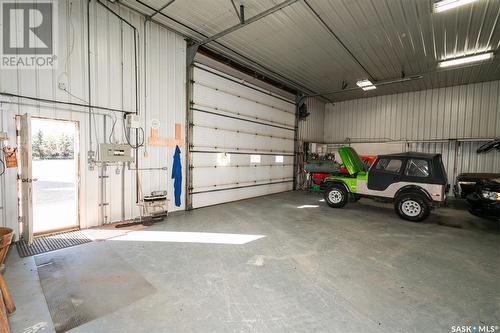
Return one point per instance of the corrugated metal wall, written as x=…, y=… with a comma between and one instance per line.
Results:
x=467, y=111
x=311, y=129
x=460, y=156
x=467, y=115
x=112, y=77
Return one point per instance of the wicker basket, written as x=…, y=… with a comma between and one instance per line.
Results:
x=6, y=235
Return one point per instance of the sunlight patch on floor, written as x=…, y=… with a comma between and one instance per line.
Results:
x=186, y=237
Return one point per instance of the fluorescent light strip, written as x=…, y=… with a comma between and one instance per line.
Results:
x=364, y=83
x=465, y=60
x=368, y=88
x=444, y=5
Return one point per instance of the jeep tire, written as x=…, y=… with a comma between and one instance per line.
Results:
x=412, y=207
x=336, y=196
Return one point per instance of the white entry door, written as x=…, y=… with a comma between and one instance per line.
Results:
x=48, y=181
x=24, y=177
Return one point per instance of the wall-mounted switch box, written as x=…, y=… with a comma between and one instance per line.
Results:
x=111, y=152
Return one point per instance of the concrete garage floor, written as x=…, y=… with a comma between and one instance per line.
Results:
x=358, y=269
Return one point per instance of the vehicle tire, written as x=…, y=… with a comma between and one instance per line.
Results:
x=336, y=196
x=412, y=207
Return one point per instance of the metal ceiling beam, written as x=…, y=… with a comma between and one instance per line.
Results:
x=159, y=10
x=339, y=40
x=236, y=10
x=247, y=22
x=378, y=84
x=228, y=52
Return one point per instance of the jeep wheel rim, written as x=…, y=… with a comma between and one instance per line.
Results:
x=335, y=196
x=411, y=208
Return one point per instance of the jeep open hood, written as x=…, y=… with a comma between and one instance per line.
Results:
x=351, y=160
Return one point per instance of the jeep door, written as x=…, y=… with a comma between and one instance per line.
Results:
x=386, y=171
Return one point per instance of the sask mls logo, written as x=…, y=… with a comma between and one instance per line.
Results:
x=28, y=39
x=474, y=328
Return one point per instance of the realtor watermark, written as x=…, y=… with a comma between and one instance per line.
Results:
x=29, y=34
x=474, y=328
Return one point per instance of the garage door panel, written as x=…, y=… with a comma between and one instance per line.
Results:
x=218, y=139
x=209, y=159
x=238, y=169
x=206, y=178
x=201, y=118
x=211, y=131
x=213, y=198
x=209, y=80
x=242, y=141
x=213, y=99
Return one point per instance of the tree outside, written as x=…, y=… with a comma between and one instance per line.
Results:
x=37, y=145
x=52, y=146
x=66, y=144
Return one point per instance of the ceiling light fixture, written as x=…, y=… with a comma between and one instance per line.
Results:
x=465, y=60
x=443, y=5
x=368, y=88
x=364, y=83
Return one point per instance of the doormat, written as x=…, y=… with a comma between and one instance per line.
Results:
x=84, y=283
x=51, y=243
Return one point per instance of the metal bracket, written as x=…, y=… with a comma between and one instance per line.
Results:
x=191, y=53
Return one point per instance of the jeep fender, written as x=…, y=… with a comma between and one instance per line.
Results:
x=413, y=189
x=328, y=184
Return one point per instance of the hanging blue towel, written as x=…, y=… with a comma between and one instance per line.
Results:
x=177, y=176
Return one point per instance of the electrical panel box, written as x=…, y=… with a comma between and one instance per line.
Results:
x=112, y=152
x=133, y=120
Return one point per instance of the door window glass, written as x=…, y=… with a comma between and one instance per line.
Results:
x=254, y=158
x=417, y=168
x=389, y=165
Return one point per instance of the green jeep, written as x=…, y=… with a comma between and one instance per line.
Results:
x=415, y=182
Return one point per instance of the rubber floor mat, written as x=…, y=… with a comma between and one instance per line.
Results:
x=51, y=243
x=84, y=283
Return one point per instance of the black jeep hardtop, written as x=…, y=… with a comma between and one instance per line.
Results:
x=436, y=170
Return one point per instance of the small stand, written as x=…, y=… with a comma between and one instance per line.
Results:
x=153, y=209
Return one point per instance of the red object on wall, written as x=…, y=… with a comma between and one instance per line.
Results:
x=318, y=177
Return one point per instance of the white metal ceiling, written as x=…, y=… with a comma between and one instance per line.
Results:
x=385, y=36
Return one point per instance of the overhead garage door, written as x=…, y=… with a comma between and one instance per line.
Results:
x=242, y=139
